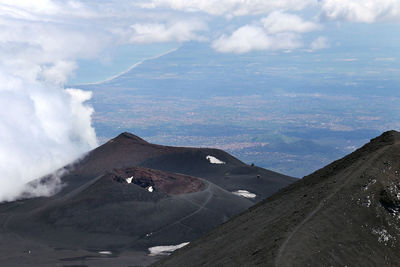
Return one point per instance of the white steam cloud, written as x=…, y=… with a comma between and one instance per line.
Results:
x=42, y=126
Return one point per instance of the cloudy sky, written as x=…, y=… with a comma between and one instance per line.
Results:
x=73, y=36
x=46, y=44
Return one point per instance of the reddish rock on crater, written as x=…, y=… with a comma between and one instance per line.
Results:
x=160, y=181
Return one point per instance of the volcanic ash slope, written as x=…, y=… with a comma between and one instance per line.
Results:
x=130, y=197
x=347, y=213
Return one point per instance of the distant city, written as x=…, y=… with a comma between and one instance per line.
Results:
x=293, y=115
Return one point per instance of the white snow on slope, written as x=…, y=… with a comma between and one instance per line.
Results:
x=165, y=250
x=383, y=235
x=214, y=160
x=106, y=252
x=244, y=193
x=129, y=180
x=150, y=189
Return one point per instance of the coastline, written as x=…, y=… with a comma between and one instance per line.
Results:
x=131, y=67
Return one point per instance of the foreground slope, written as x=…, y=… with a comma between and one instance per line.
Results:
x=344, y=214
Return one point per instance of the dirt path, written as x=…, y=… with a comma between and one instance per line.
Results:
x=346, y=180
x=5, y=218
x=201, y=207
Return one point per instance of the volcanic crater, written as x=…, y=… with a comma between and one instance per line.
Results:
x=159, y=181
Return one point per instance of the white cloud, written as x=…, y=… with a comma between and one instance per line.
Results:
x=319, y=43
x=229, y=7
x=352, y=59
x=244, y=39
x=55, y=73
x=43, y=128
x=282, y=22
x=42, y=125
x=278, y=31
x=361, y=11
x=45, y=7
x=180, y=31
x=385, y=59
x=49, y=10
x=249, y=38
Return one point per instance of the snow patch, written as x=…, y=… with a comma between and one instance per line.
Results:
x=370, y=182
x=106, y=252
x=129, y=180
x=150, y=189
x=165, y=250
x=214, y=160
x=366, y=202
x=383, y=235
x=244, y=193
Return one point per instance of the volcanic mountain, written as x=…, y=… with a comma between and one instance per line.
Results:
x=213, y=165
x=127, y=196
x=346, y=214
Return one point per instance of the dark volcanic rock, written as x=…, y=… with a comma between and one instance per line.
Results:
x=128, y=150
x=126, y=196
x=346, y=214
x=108, y=211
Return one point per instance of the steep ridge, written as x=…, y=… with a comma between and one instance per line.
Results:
x=344, y=214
